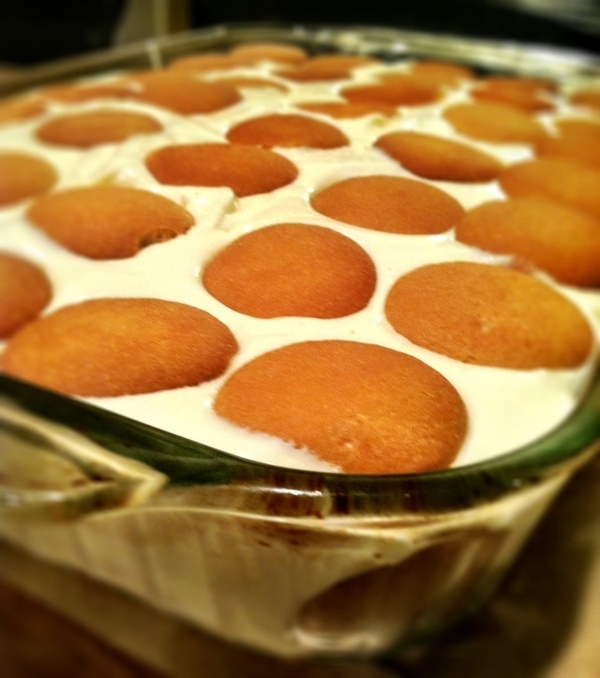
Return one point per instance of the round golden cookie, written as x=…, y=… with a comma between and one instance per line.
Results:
x=18, y=109
x=576, y=128
x=247, y=170
x=523, y=101
x=114, y=347
x=108, y=222
x=287, y=131
x=182, y=93
x=394, y=90
x=24, y=293
x=557, y=179
x=79, y=93
x=390, y=204
x=519, y=83
x=208, y=61
x=23, y=176
x=586, y=97
x=526, y=94
x=441, y=72
x=559, y=240
x=433, y=157
x=91, y=128
x=292, y=270
x=363, y=408
x=342, y=110
x=494, y=122
x=256, y=52
x=489, y=315
x=580, y=149
x=326, y=68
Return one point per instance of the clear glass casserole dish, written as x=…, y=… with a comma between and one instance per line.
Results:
x=294, y=563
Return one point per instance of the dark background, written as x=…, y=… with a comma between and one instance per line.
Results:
x=34, y=31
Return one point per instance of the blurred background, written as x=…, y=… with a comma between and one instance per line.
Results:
x=35, y=31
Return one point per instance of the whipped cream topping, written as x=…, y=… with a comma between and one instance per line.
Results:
x=507, y=408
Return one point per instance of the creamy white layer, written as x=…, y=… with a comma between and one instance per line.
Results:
x=507, y=408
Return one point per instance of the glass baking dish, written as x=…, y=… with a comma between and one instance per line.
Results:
x=293, y=563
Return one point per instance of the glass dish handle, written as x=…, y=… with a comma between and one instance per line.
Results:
x=50, y=472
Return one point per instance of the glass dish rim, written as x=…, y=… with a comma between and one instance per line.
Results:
x=372, y=39
x=190, y=464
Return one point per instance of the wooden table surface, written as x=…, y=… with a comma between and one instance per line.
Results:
x=37, y=642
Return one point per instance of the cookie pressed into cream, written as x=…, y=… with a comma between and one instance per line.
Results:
x=332, y=263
